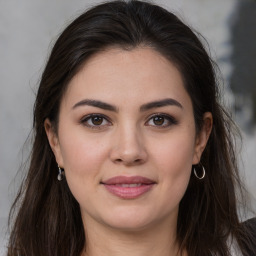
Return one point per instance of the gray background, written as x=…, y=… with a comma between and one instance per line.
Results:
x=28, y=29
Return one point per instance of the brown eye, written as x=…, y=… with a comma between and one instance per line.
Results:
x=161, y=121
x=97, y=120
x=158, y=120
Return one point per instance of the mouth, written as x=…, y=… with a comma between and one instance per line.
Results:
x=128, y=187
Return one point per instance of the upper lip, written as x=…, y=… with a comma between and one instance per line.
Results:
x=128, y=180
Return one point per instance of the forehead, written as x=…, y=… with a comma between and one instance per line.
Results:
x=141, y=74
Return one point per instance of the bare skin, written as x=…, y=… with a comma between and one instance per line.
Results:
x=127, y=114
x=137, y=243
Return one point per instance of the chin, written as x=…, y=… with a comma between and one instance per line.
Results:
x=131, y=220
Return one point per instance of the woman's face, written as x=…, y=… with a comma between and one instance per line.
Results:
x=127, y=140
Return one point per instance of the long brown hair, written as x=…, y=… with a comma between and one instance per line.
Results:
x=48, y=219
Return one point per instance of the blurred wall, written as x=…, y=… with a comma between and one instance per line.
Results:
x=243, y=59
x=28, y=29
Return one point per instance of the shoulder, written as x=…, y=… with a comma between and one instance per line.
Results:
x=250, y=229
x=250, y=225
x=248, y=240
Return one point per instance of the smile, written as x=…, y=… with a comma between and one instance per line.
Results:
x=128, y=187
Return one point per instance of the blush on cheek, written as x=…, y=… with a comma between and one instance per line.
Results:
x=81, y=153
x=173, y=156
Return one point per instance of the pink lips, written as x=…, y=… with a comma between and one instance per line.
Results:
x=128, y=187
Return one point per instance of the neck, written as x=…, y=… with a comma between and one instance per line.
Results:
x=158, y=240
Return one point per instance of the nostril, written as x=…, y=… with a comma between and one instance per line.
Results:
x=129, y=162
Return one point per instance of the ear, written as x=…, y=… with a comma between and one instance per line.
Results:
x=202, y=137
x=53, y=141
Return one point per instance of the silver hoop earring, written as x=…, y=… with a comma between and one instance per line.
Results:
x=61, y=174
x=203, y=172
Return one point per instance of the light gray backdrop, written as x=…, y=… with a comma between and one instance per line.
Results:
x=28, y=29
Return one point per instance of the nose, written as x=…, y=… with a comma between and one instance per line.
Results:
x=128, y=148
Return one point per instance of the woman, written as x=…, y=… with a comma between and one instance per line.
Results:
x=132, y=155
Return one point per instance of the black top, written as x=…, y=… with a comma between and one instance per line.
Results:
x=250, y=225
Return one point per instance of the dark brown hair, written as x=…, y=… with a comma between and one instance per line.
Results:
x=48, y=221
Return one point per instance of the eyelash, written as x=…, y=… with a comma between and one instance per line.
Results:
x=169, y=120
x=88, y=118
x=166, y=118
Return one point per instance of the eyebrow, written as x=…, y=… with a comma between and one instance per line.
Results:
x=95, y=103
x=144, y=107
x=160, y=103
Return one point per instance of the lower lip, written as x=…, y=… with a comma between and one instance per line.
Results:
x=129, y=192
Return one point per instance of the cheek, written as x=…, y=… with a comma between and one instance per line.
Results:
x=175, y=151
x=174, y=162
x=81, y=153
x=83, y=161
x=83, y=158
